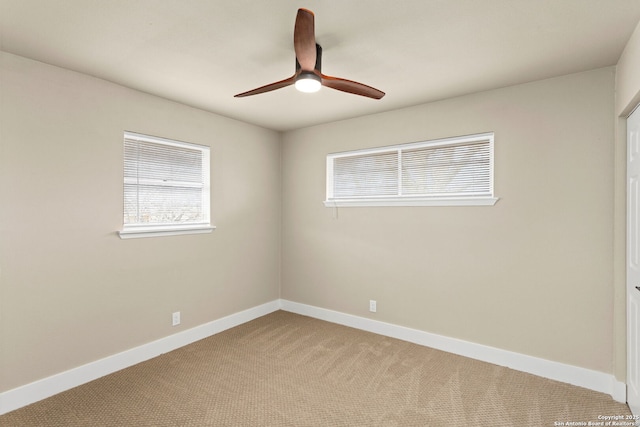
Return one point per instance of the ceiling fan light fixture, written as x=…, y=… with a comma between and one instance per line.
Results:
x=308, y=82
x=308, y=76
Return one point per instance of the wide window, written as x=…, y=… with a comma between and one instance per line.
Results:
x=451, y=171
x=166, y=187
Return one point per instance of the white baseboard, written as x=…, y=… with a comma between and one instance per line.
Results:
x=41, y=389
x=593, y=380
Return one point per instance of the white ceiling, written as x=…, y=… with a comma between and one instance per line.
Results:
x=202, y=52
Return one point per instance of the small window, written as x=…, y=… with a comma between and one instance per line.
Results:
x=443, y=172
x=166, y=187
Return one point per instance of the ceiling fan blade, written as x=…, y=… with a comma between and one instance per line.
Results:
x=351, y=87
x=304, y=39
x=268, y=88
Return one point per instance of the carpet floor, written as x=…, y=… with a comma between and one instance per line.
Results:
x=285, y=369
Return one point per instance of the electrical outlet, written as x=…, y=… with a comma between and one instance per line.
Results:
x=175, y=318
x=372, y=305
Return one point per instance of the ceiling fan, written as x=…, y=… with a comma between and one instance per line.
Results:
x=308, y=76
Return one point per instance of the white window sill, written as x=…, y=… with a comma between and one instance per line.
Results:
x=399, y=201
x=159, y=231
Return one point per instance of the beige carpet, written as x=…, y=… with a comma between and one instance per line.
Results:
x=289, y=370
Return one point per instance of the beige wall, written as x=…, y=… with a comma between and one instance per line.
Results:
x=628, y=76
x=532, y=274
x=71, y=291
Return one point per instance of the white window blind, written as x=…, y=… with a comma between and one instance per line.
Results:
x=366, y=175
x=442, y=172
x=454, y=170
x=166, y=186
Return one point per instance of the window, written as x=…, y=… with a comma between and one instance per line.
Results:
x=443, y=172
x=166, y=187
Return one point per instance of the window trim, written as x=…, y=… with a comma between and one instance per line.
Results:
x=130, y=231
x=411, y=200
x=133, y=232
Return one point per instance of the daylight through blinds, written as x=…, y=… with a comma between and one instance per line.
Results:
x=366, y=176
x=455, y=167
x=165, y=183
x=453, y=170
